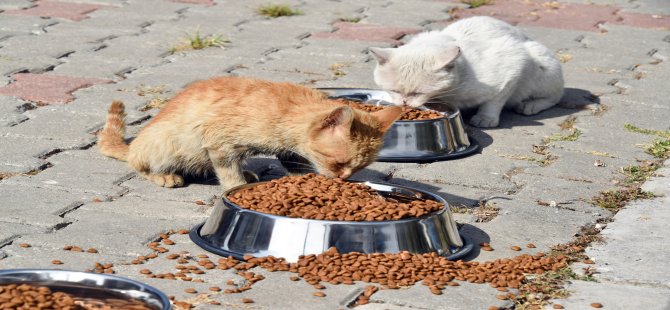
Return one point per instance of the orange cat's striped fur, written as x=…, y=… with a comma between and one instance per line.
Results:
x=213, y=125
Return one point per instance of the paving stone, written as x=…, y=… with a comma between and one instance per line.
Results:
x=46, y=89
x=614, y=296
x=113, y=235
x=10, y=115
x=480, y=296
x=39, y=256
x=71, y=11
x=633, y=243
x=23, y=156
x=35, y=205
x=137, y=206
x=15, y=4
x=366, y=32
x=406, y=14
x=10, y=231
x=544, y=227
x=84, y=173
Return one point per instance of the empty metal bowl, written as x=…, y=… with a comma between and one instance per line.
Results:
x=233, y=231
x=87, y=285
x=414, y=140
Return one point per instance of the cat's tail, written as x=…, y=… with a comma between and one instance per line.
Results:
x=110, y=139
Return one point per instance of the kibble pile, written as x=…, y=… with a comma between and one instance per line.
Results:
x=26, y=296
x=316, y=197
x=404, y=269
x=408, y=114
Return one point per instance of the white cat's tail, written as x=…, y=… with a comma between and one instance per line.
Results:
x=110, y=138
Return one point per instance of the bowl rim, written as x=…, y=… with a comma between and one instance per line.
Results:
x=445, y=206
x=164, y=300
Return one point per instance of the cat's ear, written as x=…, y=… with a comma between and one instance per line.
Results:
x=338, y=121
x=382, y=55
x=387, y=116
x=446, y=59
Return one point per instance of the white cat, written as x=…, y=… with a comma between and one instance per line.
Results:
x=475, y=62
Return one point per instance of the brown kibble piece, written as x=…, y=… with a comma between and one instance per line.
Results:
x=516, y=248
x=24, y=245
x=319, y=294
x=502, y=297
x=557, y=306
x=494, y=308
x=247, y=300
x=588, y=261
x=596, y=305
x=530, y=246
x=294, y=278
x=183, y=231
x=92, y=250
x=190, y=290
x=199, y=202
x=215, y=289
x=487, y=248
x=56, y=262
x=96, y=199
x=168, y=241
x=145, y=271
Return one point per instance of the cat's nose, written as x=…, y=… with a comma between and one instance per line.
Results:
x=344, y=174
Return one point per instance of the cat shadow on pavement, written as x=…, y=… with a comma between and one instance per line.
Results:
x=573, y=100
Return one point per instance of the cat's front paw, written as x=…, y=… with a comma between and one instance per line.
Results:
x=167, y=180
x=484, y=121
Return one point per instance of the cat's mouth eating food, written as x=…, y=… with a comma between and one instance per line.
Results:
x=408, y=113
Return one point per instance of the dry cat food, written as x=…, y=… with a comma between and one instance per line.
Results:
x=24, y=296
x=314, y=196
x=408, y=114
x=404, y=269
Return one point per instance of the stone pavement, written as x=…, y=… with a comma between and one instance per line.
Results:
x=63, y=62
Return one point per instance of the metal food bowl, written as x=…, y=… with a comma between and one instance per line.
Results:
x=414, y=140
x=87, y=285
x=233, y=231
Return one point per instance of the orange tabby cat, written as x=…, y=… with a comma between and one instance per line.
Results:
x=215, y=124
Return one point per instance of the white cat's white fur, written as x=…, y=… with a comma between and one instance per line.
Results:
x=475, y=62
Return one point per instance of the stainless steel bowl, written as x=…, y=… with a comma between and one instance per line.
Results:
x=87, y=285
x=414, y=141
x=233, y=231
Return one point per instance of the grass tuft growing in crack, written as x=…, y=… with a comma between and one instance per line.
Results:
x=660, y=133
x=476, y=3
x=198, y=42
x=352, y=20
x=277, y=10
x=572, y=136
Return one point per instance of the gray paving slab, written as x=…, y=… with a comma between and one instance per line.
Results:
x=634, y=243
x=24, y=156
x=84, y=173
x=614, y=296
x=35, y=205
x=405, y=13
x=10, y=231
